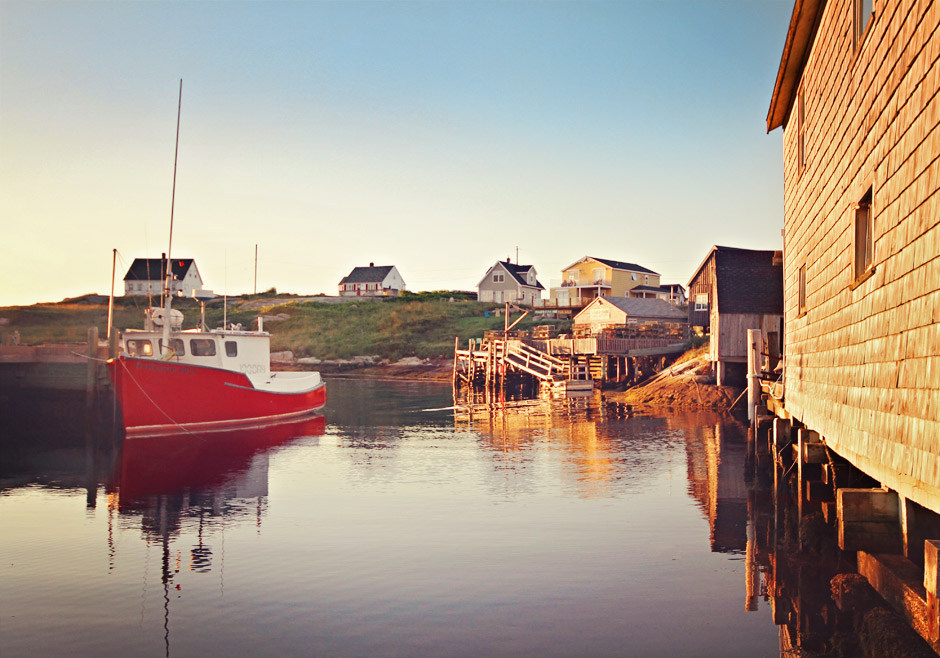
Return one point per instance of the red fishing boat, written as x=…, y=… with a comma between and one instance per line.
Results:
x=198, y=381
x=169, y=381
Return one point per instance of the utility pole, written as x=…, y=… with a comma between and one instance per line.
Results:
x=256, y=269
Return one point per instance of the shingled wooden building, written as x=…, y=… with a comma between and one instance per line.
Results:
x=857, y=97
x=734, y=290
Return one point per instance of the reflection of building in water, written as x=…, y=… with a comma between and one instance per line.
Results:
x=606, y=446
x=821, y=602
x=716, y=458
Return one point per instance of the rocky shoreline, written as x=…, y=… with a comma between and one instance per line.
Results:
x=688, y=384
x=412, y=367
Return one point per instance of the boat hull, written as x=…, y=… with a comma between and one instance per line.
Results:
x=166, y=397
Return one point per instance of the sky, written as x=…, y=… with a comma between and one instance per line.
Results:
x=438, y=137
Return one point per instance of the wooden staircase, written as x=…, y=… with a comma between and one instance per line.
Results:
x=537, y=363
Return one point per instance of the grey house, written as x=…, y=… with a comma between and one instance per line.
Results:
x=506, y=282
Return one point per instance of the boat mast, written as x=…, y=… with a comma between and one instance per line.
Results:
x=168, y=286
x=111, y=297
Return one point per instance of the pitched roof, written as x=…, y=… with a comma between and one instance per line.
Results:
x=656, y=289
x=804, y=22
x=370, y=274
x=519, y=272
x=636, y=307
x=153, y=269
x=747, y=280
x=616, y=264
x=672, y=287
x=749, y=283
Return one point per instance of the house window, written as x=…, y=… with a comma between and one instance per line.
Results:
x=599, y=275
x=701, y=302
x=646, y=279
x=864, y=236
x=633, y=277
x=498, y=277
x=573, y=276
x=802, y=289
x=800, y=132
x=863, y=14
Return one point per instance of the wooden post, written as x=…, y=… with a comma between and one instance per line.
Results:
x=932, y=585
x=113, y=344
x=91, y=390
x=753, y=372
x=456, y=346
x=91, y=375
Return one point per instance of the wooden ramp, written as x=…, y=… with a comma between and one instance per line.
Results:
x=537, y=363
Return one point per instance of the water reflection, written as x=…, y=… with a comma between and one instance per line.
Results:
x=415, y=524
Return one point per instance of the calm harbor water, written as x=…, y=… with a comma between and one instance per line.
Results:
x=392, y=526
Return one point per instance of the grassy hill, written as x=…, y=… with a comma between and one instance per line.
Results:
x=422, y=324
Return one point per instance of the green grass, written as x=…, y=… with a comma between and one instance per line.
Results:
x=422, y=324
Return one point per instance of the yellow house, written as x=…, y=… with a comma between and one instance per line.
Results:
x=592, y=277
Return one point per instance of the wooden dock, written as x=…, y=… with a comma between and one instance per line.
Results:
x=558, y=363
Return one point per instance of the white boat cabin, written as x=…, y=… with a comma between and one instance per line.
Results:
x=235, y=349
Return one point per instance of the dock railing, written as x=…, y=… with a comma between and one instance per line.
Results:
x=611, y=346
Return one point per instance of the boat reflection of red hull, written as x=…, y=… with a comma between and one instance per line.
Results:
x=160, y=398
x=176, y=462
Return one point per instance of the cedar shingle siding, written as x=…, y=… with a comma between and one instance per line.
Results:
x=863, y=361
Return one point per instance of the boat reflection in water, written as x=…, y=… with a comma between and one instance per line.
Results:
x=222, y=463
x=187, y=487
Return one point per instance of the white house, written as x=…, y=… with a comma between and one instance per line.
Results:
x=506, y=282
x=146, y=276
x=372, y=281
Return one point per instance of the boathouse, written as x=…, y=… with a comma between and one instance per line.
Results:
x=856, y=95
x=147, y=276
x=508, y=282
x=372, y=281
x=734, y=290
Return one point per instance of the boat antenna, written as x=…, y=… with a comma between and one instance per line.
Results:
x=168, y=286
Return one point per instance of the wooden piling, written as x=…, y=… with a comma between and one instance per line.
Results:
x=753, y=372
x=932, y=585
x=91, y=396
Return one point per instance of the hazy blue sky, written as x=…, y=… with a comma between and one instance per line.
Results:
x=434, y=136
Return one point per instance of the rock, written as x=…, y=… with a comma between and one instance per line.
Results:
x=282, y=357
x=411, y=361
x=309, y=360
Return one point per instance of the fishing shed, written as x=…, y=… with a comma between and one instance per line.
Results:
x=631, y=317
x=734, y=290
